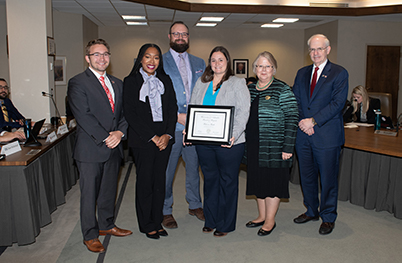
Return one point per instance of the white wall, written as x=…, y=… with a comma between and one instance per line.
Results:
x=72, y=33
x=353, y=39
x=285, y=45
x=3, y=43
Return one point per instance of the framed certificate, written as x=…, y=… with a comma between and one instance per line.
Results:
x=209, y=124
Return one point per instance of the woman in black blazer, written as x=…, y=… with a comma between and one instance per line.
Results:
x=362, y=108
x=150, y=109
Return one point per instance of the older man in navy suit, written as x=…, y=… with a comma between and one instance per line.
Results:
x=321, y=90
x=96, y=100
x=184, y=70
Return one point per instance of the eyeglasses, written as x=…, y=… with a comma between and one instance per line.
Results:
x=99, y=55
x=261, y=67
x=4, y=87
x=177, y=34
x=320, y=49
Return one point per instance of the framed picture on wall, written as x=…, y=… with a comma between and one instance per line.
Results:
x=51, y=46
x=240, y=68
x=60, y=70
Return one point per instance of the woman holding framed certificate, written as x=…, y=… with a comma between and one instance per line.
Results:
x=220, y=163
x=270, y=135
x=150, y=109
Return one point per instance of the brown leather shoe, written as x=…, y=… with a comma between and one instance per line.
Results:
x=206, y=229
x=115, y=231
x=303, y=218
x=219, y=233
x=199, y=213
x=326, y=228
x=94, y=245
x=169, y=221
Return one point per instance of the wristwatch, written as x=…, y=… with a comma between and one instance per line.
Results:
x=314, y=122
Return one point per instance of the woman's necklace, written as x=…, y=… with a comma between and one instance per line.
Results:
x=262, y=88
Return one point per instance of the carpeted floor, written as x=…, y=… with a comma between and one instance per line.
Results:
x=360, y=235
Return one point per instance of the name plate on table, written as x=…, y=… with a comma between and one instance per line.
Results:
x=11, y=148
x=389, y=133
x=209, y=124
x=51, y=137
x=62, y=129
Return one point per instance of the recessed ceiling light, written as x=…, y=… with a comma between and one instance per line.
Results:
x=272, y=25
x=132, y=23
x=206, y=24
x=211, y=19
x=285, y=20
x=128, y=17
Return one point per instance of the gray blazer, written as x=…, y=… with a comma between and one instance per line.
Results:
x=233, y=92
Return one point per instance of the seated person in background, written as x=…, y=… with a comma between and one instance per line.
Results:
x=362, y=107
x=6, y=136
x=251, y=80
x=10, y=117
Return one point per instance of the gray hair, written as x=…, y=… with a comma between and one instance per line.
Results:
x=326, y=40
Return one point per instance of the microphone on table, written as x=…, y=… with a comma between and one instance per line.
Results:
x=58, y=116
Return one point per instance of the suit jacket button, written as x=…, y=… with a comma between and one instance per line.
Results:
x=308, y=108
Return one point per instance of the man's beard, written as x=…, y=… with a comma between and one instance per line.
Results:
x=179, y=48
x=3, y=95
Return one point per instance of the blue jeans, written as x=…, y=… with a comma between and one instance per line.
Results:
x=190, y=158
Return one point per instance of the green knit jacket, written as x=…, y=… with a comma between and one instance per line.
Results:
x=278, y=119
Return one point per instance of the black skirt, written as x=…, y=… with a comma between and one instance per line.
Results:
x=262, y=182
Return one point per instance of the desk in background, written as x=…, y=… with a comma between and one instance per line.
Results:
x=32, y=186
x=370, y=173
x=370, y=170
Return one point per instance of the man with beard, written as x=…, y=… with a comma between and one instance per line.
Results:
x=10, y=117
x=184, y=70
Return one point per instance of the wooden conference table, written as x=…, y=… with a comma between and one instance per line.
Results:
x=32, y=186
x=369, y=171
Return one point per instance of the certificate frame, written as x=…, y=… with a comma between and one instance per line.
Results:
x=212, y=125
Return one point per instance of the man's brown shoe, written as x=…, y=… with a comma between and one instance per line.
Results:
x=169, y=221
x=303, y=218
x=94, y=245
x=115, y=231
x=199, y=213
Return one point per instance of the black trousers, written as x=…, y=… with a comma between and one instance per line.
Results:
x=98, y=185
x=151, y=167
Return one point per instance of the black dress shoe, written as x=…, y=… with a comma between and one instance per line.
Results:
x=254, y=224
x=219, y=233
x=326, y=228
x=153, y=236
x=162, y=232
x=206, y=229
x=263, y=232
x=303, y=218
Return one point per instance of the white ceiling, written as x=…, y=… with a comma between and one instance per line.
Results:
x=108, y=13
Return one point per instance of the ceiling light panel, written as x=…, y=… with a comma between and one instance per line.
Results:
x=285, y=20
x=272, y=25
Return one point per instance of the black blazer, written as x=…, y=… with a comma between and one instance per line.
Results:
x=94, y=116
x=138, y=114
x=374, y=104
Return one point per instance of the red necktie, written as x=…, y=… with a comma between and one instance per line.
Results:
x=109, y=95
x=313, y=81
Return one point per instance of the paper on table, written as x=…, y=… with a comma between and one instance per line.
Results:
x=356, y=124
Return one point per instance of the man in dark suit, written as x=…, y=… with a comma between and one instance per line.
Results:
x=321, y=90
x=184, y=70
x=97, y=104
x=10, y=117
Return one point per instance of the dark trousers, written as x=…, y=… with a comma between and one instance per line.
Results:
x=220, y=167
x=323, y=162
x=151, y=167
x=98, y=185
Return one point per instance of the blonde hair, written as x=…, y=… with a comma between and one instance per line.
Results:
x=271, y=59
x=360, y=90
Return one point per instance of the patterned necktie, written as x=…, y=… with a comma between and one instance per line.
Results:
x=109, y=95
x=184, y=76
x=313, y=81
x=5, y=113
